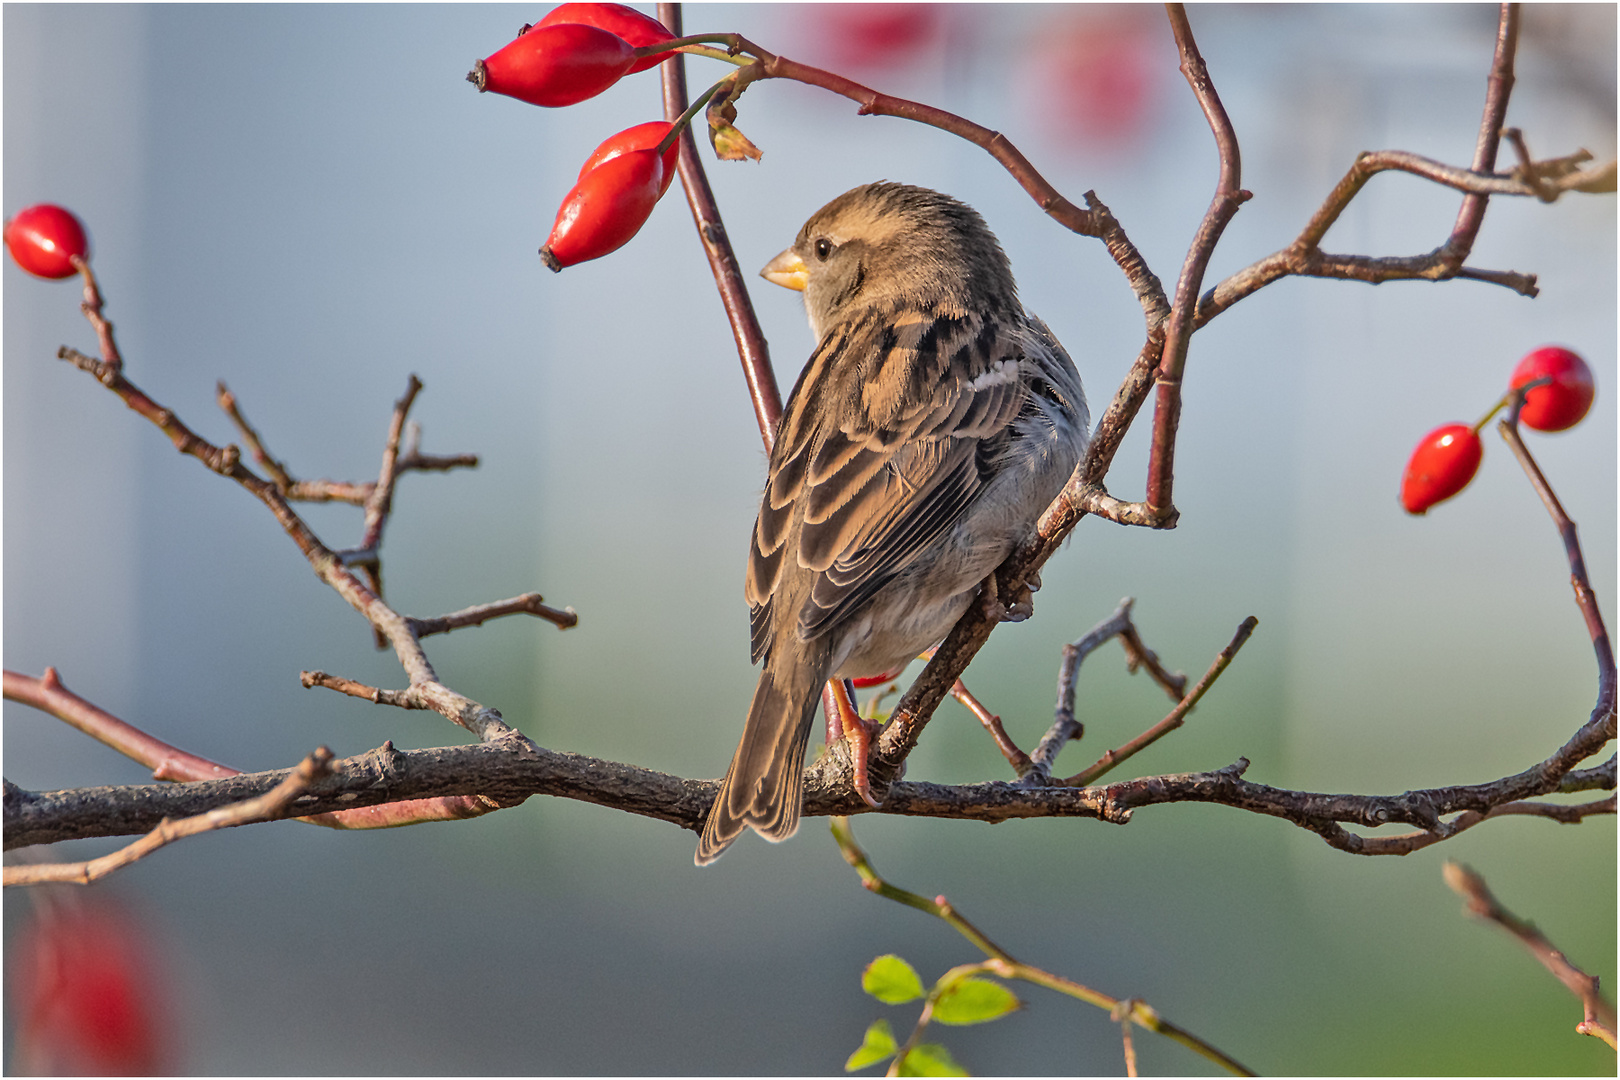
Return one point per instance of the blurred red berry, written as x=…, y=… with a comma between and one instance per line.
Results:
x=84, y=995
x=43, y=239
x=1443, y=463
x=1562, y=403
x=636, y=29
x=1091, y=77
x=605, y=209
x=874, y=36
x=555, y=65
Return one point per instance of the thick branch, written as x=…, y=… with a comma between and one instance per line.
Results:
x=507, y=771
x=262, y=808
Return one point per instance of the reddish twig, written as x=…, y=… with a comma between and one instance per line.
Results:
x=1304, y=257
x=47, y=694
x=992, y=723
x=262, y=808
x=1229, y=195
x=752, y=348
x=170, y=763
x=1599, y=1019
x=1177, y=716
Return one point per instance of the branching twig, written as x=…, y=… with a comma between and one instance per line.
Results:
x=1137, y=655
x=1229, y=195
x=329, y=566
x=1177, y=715
x=169, y=762
x=1001, y=962
x=262, y=808
x=527, y=604
x=1599, y=1020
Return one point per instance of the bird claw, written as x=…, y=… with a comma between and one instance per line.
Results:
x=858, y=732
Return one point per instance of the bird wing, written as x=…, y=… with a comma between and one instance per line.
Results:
x=861, y=481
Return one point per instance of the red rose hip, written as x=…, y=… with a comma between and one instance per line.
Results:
x=44, y=238
x=555, y=65
x=605, y=209
x=1443, y=463
x=641, y=137
x=1562, y=403
x=626, y=22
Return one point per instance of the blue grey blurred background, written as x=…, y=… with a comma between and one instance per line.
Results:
x=310, y=204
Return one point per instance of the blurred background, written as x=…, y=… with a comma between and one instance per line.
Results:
x=311, y=204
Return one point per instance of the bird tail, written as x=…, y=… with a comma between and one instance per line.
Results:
x=764, y=787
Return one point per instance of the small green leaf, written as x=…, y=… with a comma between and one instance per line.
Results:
x=930, y=1059
x=878, y=1045
x=974, y=1001
x=891, y=980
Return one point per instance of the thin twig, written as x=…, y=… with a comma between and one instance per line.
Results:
x=1177, y=716
x=527, y=604
x=752, y=348
x=992, y=723
x=1599, y=1019
x=261, y=808
x=1122, y=1017
x=170, y=763
x=1229, y=195
x=1137, y=655
x=1002, y=963
x=330, y=567
x=167, y=762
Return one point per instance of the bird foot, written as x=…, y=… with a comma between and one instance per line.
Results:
x=858, y=732
x=1017, y=606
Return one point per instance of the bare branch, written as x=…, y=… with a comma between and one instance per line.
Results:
x=1599, y=1020
x=167, y=762
x=752, y=348
x=527, y=604
x=261, y=808
x=1229, y=195
x=1177, y=715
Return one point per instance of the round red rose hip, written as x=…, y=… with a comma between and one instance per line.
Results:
x=44, y=238
x=1561, y=403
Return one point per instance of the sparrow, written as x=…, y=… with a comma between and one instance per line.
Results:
x=932, y=424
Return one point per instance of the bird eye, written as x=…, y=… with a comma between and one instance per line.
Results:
x=823, y=248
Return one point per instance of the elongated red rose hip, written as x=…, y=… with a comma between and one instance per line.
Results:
x=1443, y=463
x=44, y=238
x=641, y=137
x=636, y=28
x=605, y=209
x=555, y=65
x=1562, y=403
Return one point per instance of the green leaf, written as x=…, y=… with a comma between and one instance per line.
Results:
x=891, y=980
x=878, y=1045
x=930, y=1059
x=974, y=1001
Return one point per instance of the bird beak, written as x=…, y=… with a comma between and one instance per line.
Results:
x=787, y=270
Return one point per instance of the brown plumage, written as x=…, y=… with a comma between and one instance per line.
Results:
x=933, y=423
